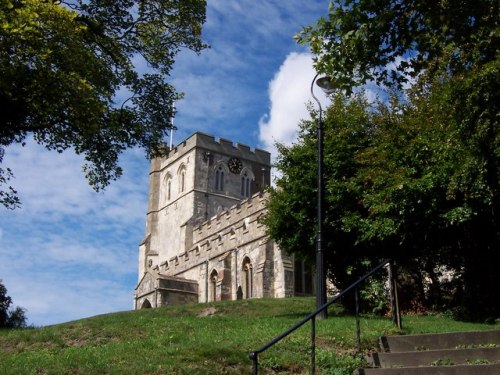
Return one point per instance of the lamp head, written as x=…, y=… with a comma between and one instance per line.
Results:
x=326, y=84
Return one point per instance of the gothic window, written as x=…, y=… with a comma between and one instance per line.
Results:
x=247, y=278
x=245, y=186
x=246, y=180
x=146, y=304
x=219, y=179
x=214, y=277
x=303, y=277
x=182, y=178
x=168, y=188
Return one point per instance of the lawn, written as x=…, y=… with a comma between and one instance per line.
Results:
x=204, y=339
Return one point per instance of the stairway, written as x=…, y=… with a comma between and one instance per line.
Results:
x=458, y=353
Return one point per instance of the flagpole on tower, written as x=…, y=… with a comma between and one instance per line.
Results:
x=172, y=126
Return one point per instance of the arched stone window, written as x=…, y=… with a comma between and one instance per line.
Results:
x=219, y=178
x=146, y=304
x=168, y=188
x=181, y=174
x=219, y=172
x=214, y=278
x=247, y=278
x=303, y=274
x=246, y=180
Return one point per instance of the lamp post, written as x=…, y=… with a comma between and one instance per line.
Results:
x=325, y=84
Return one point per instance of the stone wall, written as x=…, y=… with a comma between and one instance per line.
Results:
x=220, y=245
x=208, y=235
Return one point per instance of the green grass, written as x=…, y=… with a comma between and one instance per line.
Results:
x=201, y=339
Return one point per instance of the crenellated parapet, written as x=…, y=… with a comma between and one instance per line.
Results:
x=204, y=227
x=240, y=214
x=206, y=142
x=234, y=228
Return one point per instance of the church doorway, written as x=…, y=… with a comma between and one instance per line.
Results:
x=146, y=304
x=214, y=278
x=247, y=278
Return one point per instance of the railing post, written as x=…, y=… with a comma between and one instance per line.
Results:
x=312, y=317
x=255, y=360
x=393, y=283
x=391, y=293
x=398, y=311
x=313, y=345
x=358, y=329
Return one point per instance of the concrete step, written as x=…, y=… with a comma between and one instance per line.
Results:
x=437, y=357
x=436, y=370
x=457, y=353
x=434, y=341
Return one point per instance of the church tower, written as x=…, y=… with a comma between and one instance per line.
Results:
x=205, y=240
x=196, y=180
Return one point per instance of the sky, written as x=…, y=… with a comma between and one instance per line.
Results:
x=69, y=252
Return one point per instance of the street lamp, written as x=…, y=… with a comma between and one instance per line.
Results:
x=326, y=84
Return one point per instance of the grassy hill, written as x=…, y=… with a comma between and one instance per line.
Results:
x=204, y=339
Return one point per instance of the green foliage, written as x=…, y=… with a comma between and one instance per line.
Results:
x=390, y=41
x=291, y=218
x=416, y=178
x=184, y=340
x=338, y=364
x=10, y=318
x=62, y=64
x=375, y=296
x=404, y=179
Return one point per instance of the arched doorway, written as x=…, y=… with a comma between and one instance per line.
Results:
x=247, y=278
x=214, y=278
x=146, y=304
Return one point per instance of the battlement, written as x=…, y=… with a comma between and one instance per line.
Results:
x=219, y=145
x=232, y=228
x=226, y=221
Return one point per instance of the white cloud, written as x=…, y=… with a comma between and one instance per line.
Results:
x=289, y=92
x=227, y=83
x=69, y=252
x=52, y=184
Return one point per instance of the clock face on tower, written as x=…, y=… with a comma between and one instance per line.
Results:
x=234, y=165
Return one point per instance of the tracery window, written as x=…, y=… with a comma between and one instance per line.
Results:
x=219, y=179
x=245, y=185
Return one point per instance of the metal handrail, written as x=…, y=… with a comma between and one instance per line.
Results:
x=254, y=355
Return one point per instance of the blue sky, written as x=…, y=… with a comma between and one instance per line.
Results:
x=69, y=252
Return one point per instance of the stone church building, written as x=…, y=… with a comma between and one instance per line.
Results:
x=204, y=238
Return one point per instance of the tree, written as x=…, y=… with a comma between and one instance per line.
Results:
x=451, y=46
x=291, y=218
x=389, y=41
x=397, y=184
x=10, y=319
x=64, y=63
x=425, y=177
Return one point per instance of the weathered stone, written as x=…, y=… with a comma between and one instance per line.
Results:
x=203, y=227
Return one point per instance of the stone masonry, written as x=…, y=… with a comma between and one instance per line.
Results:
x=204, y=238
